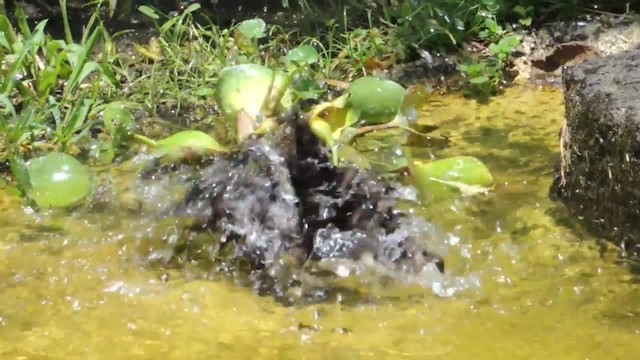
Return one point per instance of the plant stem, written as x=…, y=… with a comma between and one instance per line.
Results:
x=361, y=131
x=145, y=140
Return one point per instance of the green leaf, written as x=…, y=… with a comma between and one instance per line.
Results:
x=108, y=72
x=248, y=87
x=150, y=12
x=525, y=21
x=183, y=144
x=77, y=117
x=191, y=8
x=479, y=80
x=204, y=91
x=505, y=45
x=302, y=55
x=307, y=88
x=87, y=69
x=455, y=175
x=79, y=70
x=522, y=11
x=252, y=28
x=4, y=42
x=7, y=31
x=48, y=79
x=35, y=38
x=375, y=100
x=58, y=180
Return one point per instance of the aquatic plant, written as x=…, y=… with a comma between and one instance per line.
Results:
x=183, y=145
x=447, y=177
x=252, y=96
x=254, y=90
x=57, y=180
x=369, y=104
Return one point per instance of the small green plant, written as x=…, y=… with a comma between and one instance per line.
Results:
x=486, y=74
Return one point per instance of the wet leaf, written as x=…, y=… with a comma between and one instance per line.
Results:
x=58, y=180
x=186, y=144
x=455, y=175
x=302, y=55
x=376, y=100
x=247, y=87
x=322, y=130
x=252, y=28
x=335, y=114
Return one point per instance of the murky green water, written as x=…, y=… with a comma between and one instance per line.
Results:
x=73, y=289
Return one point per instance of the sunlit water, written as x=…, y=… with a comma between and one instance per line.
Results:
x=72, y=287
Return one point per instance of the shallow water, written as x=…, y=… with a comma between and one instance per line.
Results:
x=71, y=287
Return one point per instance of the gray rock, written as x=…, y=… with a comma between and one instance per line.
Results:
x=599, y=175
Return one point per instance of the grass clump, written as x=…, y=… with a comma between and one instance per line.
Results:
x=50, y=89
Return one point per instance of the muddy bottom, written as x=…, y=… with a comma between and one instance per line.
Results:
x=521, y=281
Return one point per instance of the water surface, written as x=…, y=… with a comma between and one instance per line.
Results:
x=71, y=286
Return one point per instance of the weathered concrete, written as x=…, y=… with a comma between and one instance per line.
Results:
x=599, y=179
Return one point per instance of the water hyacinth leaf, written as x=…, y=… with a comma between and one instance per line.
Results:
x=58, y=180
x=187, y=144
x=335, y=113
x=252, y=28
x=302, y=55
x=322, y=130
x=376, y=100
x=247, y=87
x=464, y=175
